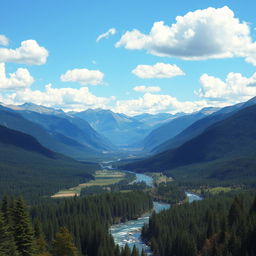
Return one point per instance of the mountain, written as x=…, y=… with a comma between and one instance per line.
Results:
x=38, y=108
x=54, y=141
x=27, y=168
x=170, y=129
x=24, y=141
x=57, y=122
x=225, y=148
x=120, y=129
x=156, y=119
x=199, y=126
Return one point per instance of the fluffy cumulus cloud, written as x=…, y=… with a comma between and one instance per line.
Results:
x=159, y=70
x=83, y=76
x=202, y=34
x=65, y=98
x=155, y=103
x=4, y=40
x=19, y=80
x=30, y=52
x=111, y=31
x=235, y=88
x=143, y=88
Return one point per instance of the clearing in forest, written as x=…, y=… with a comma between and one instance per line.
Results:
x=102, y=178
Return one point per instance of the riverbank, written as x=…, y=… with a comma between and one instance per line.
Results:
x=130, y=232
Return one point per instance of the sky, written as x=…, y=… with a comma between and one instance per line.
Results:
x=131, y=56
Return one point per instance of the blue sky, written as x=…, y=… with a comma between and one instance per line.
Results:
x=145, y=60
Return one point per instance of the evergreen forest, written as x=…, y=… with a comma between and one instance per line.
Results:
x=217, y=226
x=68, y=227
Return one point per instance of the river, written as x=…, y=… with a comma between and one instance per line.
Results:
x=129, y=232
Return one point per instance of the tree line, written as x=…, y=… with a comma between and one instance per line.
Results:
x=217, y=226
x=169, y=193
x=68, y=227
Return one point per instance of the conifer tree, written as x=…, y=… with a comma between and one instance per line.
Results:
x=7, y=245
x=143, y=253
x=253, y=207
x=40, y=243
x=135, y=251
x=235, y=212
x=22, y=230
x=5, y=209
x=117, y=251
x=126, y=251
x=63, y=244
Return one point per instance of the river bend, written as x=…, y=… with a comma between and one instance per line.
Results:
x=129, y=232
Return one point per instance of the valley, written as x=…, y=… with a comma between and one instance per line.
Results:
x=74, y=172
x=128, y=128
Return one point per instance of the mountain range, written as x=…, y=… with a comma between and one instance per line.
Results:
x=199, y=126
x=56, y=130
x=224, y=150
x=121, y=129
x=211, y=143
x=173, y=127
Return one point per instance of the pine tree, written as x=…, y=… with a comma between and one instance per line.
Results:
x=63, y=244
x=7, y=245
x=143, y=253
x=235, y=212
x=135, y=251
x=5, y=209
x=117, y=251
x=22, y=230
x=40, y=243
x=126, y=251
x=253, y=207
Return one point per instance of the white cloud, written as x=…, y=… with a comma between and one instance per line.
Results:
x=159, y=70
x=198, y=35
x=156, y=103
x=80, y=99
x=235, y=88
x=83, y=76
x=134, y=40
x=4, y=40
x=19, y=80
x=65, y=98
x=143, y=88
x=30, y=52
x=111, y=31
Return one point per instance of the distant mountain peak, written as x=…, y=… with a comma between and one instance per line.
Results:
x=40, y=109
x=97, y=110
x=208, y=110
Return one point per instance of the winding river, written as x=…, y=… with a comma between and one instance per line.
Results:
x=129, y=232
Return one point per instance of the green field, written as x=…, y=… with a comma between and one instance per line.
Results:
x=218, y=190
x=159, y=177
x=103, y=178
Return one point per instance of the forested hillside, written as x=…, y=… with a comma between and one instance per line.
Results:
x=54, y=141
x=171, y=128
x=201, y=125
x=223, y=147
x=224, y=225
x=70, y=227
x=29, y=169
x=72, y=127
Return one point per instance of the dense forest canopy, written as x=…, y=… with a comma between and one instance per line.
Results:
x=217, y=226
x=77, y=226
